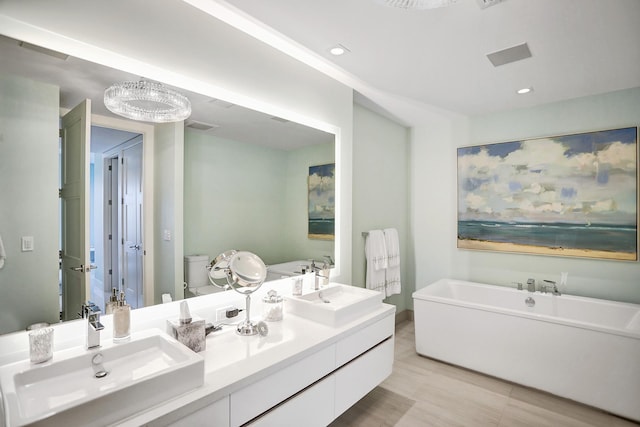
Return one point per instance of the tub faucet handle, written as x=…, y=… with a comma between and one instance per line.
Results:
x=531, y=285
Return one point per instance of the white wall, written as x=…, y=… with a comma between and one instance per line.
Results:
x=433, y=196
x=434, y=204
x=380, y=191
x=29, y=121
x=168, y=210
x=233, y=195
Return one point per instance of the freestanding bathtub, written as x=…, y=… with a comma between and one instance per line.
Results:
x=287, y=269
x=584, y=349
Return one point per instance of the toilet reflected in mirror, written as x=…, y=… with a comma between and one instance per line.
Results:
x=196, y=277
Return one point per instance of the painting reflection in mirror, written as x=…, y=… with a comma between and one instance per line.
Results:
x=322, y=196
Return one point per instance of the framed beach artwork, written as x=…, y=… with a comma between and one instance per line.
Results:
x=572, y=195
x=322, y=201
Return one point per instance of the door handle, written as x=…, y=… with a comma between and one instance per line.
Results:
x=82, y=268
x=136, y=247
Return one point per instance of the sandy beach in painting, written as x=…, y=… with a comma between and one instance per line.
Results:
x=518, y=248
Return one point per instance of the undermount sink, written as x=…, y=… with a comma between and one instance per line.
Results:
x=72, y=389
x=335, y=304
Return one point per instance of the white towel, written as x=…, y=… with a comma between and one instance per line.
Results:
x=392, y=273
x=376, y=250
x=376, y=254
x=392, y=243
x=3, y=254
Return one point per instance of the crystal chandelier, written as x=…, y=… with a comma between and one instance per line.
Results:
x=417, y=4
x=147, y=101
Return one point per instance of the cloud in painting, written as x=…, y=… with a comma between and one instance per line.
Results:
x=550, y=180
x=321, y=191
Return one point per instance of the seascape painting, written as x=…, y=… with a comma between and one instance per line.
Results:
x=322, y=204
x=572, y=195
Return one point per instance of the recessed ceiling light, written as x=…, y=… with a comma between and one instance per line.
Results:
x=524, y=90
x=338, y=50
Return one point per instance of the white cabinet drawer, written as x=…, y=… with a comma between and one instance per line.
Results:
x=216, y=414
x=354, y=380
x=352, y=346
x=262, y=395
x=311, y=408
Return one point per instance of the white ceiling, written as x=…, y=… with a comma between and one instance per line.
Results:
x=438, y=57
x=79, y=79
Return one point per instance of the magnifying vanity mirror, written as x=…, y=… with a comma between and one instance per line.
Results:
x=243, y=183
x=245, y=273
x=217, y=270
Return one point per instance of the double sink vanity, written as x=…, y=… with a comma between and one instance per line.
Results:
x=332, y=347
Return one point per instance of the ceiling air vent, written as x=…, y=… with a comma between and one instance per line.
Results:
x=488, y=3
x=201, y=126
x=510, y=54
x=44, y=50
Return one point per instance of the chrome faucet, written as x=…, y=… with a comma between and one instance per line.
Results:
x=91, y=312
x=554, y=289
x=531, y=285
x=318, y=273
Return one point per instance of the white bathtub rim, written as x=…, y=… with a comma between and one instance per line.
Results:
x=520, y=313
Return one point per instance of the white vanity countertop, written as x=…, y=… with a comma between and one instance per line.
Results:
x=231, y=361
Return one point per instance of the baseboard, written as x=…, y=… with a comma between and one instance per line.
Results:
x=404, y=315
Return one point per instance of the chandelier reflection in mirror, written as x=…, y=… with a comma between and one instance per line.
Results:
x=243, y=271
x=147, y=101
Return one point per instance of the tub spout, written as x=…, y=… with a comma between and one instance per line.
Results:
x=554, y=289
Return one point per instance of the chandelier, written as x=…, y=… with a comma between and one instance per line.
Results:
x=417, y=4
x=147, y=101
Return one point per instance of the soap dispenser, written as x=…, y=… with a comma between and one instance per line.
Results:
x=122, y=320
x=113, y=302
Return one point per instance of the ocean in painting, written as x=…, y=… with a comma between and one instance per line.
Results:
x=322, y=226
x=611, y=238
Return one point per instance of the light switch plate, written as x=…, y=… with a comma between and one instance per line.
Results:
x=27, y=243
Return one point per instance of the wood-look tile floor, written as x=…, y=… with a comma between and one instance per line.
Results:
x=425, y=392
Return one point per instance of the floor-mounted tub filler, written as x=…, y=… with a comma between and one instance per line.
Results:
x=584, y=349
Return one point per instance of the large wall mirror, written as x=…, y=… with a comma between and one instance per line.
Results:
x=244, y=184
